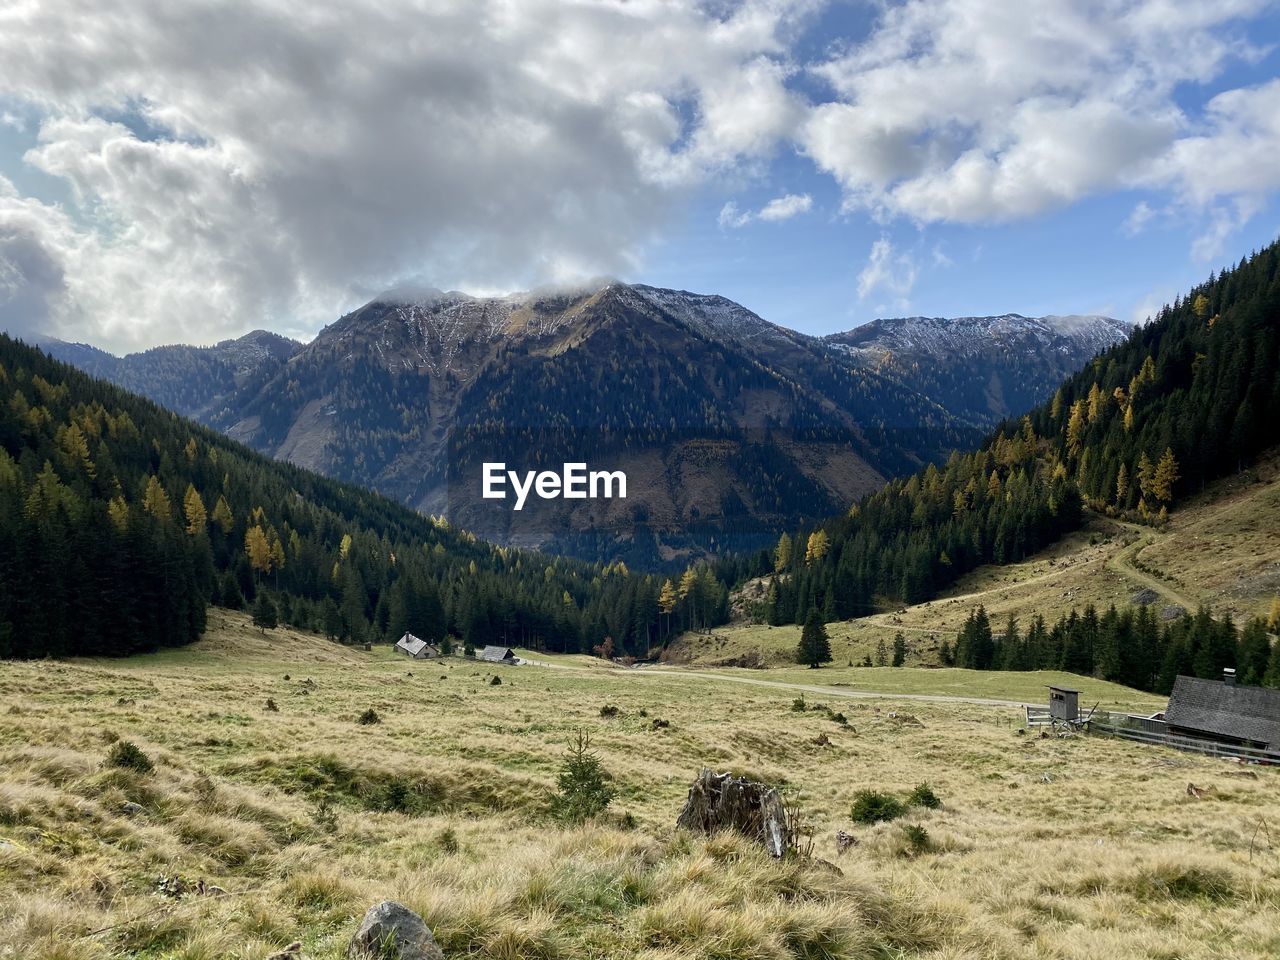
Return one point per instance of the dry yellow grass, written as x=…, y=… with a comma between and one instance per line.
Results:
x=1079, y=848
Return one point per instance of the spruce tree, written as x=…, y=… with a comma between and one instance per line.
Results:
x=265, y=616
x=815, y=647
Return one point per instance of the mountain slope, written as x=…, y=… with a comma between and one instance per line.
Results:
x=728, y=427
x=985, y=369
x=1190, y=397
x=120, y=522
x=193, y=381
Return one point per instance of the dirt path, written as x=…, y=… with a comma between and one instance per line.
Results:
x=1122, y=562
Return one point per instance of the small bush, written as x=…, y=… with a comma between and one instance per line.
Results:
x=917, y=839
x=923, y=796
x=871, y=806
x=496, y=682
x=271, y=706
x=840, y=718
x=797, y=705
x=608, y=711
x=369, y=718
x=447, y=840
x=129, y=756
x=583, y=793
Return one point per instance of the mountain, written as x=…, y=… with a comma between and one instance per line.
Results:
x=984, y=369
x=728, y=427
x=1189, y=398
x=192, y=381
x=120, y=522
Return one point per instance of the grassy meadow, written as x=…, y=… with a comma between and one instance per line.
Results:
x=1071, y=848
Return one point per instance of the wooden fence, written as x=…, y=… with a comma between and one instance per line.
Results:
x=1156, y=732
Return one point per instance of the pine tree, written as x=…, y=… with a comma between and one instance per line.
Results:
x=193, y=510
x=817, y=547
x=899, y=649
x=222, y=516
x=1164, y=478
x=782, y=554
x=815, y=646
x=265, y=615
x=155, y=501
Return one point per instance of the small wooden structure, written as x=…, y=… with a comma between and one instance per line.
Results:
x=494, y=654
x=1064, y=704
x=418, y=649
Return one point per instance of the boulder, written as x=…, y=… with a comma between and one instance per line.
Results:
x=391, y=931
x=718, y=801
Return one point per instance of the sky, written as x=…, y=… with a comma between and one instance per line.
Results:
x=190, y=172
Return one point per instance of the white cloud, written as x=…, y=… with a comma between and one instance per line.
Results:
x=777, y=209
x=890, y=271
x=241, y=163
x=1137, y=221
x=258, y=162
x=784, y=208
x=979, y=111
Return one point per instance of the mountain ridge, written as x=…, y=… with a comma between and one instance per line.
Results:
x=397, y=394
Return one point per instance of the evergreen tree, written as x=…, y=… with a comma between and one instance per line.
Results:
x=265, y=615
x=815, y=647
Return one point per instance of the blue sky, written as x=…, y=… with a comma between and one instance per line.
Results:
x=188, y=174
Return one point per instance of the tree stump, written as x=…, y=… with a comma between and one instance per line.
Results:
x=718, y=801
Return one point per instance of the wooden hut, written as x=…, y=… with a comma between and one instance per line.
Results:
x=1225, y=711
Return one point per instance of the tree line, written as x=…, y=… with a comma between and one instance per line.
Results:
x=120, y=522
x=1130, y=646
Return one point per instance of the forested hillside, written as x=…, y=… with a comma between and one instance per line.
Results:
x=120, y=522
x=1191, y=396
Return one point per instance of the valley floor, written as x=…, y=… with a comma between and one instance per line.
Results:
x=1043, y=848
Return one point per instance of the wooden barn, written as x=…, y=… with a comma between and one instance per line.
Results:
x=1224, y=711
x=418, y=649
x=498, y=655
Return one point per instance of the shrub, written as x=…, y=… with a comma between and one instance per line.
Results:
x=496, y=682
x=923, y=796
x=840, y=718
x=129, y=756
x=369, y=718
x=583, y=793
x=447, y=840
x=917, y=839
x=871, y=806
x=797, y=705
x=609, y=711
x=271, y=706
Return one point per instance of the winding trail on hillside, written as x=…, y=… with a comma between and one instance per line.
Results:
x=1122, y=562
